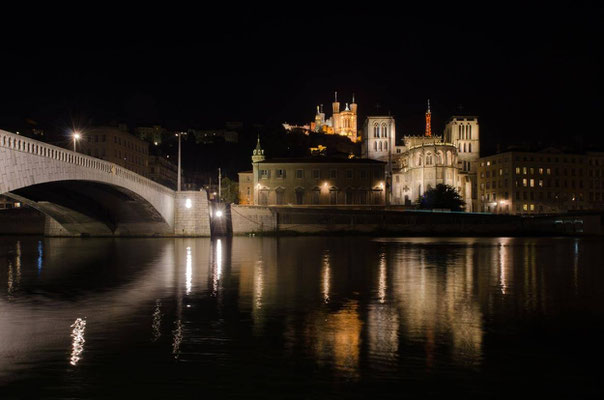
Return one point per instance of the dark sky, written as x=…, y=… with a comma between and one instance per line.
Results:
x=530, y=74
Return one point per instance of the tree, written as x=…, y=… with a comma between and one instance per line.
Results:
x=441, y=197
x=230, y=190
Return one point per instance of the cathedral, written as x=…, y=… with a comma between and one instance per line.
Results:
x=423, y=161
x=342, y=122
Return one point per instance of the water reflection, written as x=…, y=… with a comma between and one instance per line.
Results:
x=77, y=343
x=352, y=308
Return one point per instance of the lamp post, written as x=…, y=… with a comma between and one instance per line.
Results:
x=76, y=137
x=179, y=134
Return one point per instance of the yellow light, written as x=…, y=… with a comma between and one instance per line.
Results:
x=188, y=203
x=76, y=135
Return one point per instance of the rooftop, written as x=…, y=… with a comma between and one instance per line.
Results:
x=320, y=160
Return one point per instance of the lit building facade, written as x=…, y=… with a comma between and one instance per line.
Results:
x=343, y=122
x=162, y=171
x=424, y=161
x=117, y=146
x=548, y=181
x=314, y=181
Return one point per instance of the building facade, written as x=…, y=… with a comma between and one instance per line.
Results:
x=314, y=181
x=548, y=181
x=162, y=171
x=117, y=146
x=424, y=161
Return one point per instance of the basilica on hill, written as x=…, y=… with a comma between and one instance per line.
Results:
x=424, y=161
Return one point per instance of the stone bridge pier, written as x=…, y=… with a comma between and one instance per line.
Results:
x=83, y=195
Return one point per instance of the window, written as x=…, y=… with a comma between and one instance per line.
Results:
x=363, y=173
x=280, y=196
x=348, y=174
x=517, y=170
x=299, y=173
x=280, y=173
x=532, y=182
x=524, y=182
x=333, y=174
x=525, y=207
x=299, y=196
x=315, y=195
x=524, y=170
x=376, y=131
x=333, y=196
x=316, y=174
x=532, y=207
x=264, y=174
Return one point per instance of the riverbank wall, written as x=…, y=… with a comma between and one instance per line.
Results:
x=380, y=220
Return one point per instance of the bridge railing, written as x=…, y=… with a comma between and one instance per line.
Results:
x=31, y=146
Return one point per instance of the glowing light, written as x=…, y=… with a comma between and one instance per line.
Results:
x=218, y=270
x=189, y=271
x=382, y=280
x=259, y=285
x=326, y=278
x=219, y=213
x=156, y=324
x=77, y=135
x=77, y=343
x=188, y=203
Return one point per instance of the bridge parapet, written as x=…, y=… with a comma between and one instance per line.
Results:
x=31, y=146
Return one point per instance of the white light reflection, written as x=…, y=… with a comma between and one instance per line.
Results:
x=326, y=277
x=189, y=271
x=77, y=340
x=382, y=280
x=177, y=339
x=503, y=267
x=218, y=267
x=156, y=324
x=258, y=286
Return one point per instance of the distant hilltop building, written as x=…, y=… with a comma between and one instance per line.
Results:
x=424, y=161
x=342, y=122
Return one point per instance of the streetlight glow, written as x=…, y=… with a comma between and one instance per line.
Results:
x=76, y=137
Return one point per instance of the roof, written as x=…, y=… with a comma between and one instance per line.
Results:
x=320, y=160
x=246, y=172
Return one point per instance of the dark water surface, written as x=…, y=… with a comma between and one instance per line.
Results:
x=301, y=318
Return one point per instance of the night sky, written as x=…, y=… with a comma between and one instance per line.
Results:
x=532, y=75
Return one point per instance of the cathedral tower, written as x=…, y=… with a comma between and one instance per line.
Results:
x=258, y=153
x=428, y=121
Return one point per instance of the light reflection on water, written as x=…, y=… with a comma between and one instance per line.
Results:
x=395, y=311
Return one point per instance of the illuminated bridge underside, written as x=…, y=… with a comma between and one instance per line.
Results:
x=83, y=194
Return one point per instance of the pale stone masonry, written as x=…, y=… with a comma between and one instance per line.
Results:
x=145, y=207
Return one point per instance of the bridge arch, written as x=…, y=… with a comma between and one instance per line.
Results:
x=83, y=193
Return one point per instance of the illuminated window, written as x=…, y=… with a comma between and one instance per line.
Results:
x=517, y=170
x=532, y=183
x=540, y=171
x=540, y=182
x=524, y=170
x=532, y=207
x=524, y=182
x=525, y=207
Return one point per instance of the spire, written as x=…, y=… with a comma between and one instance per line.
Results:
x=428, y=121
x=318, y=111
x=353, y=98
x=258, y=153
x=336, y=97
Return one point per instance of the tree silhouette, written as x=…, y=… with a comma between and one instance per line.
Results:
x=441, y=197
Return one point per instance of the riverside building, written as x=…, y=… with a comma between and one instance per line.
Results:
x=548, y=181
x=313, y=181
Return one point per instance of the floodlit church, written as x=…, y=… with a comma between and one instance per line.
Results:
x=424, y=161
x=343, y=122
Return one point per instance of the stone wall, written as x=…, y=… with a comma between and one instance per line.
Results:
x=191, y=214
x=253, y=219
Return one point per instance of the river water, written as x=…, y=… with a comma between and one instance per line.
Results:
x=312, y=317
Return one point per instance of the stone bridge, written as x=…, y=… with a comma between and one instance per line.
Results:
x=84, y=195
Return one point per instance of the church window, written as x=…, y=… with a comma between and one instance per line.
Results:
x=380, y=146
x=470, y=147
x=464, y=147
x=375, y=146
x=376, y=131
x=459, y=132
x=429, y=160
x=470, y=132
x=384, y=130
x=386, y=146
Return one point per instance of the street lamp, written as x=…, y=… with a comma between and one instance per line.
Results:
x=179, y=134
x=76, y=137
